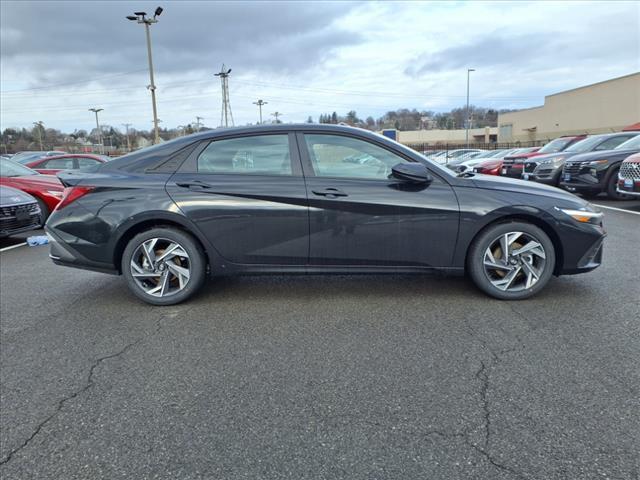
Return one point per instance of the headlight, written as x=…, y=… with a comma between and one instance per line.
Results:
x=555, y=161
x=55, y=193
x=599, y=162
x=583, y=216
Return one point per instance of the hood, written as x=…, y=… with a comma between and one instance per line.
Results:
x=507, y=184
x=13, y=196
x=552, y=156
x=49, y=182
x=523, y=156
x=603, y=155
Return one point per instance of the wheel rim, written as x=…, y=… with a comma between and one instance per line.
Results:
x=161, y=267
x=514, y=261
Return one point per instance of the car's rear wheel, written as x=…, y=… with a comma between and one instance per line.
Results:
x=163, y=266
x=511, y=261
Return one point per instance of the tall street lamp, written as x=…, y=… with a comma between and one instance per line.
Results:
x=40, y=126
x=141, y=17
x=469, y=70
x=260, y=103
x=96, y=110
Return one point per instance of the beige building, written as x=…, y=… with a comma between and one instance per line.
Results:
x=603, y=107
x=453, y=137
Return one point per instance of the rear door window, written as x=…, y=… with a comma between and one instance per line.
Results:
x=253, y=155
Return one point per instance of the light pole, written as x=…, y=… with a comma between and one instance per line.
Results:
x=127, y=125
x=469, y=70
x=276, y=115
x=40, y=127
x=260, y=103
x=141, y=17
x=96, y=110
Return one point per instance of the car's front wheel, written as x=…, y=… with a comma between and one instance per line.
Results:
x=511, y=261
x=163, y=266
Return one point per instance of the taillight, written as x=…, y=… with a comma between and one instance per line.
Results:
x=71, y=194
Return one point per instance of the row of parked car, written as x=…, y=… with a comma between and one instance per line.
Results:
x=585, y=164
x=29, y=189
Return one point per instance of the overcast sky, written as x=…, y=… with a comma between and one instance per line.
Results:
x=60, y=58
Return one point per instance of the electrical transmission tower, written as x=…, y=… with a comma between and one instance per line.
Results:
x=260, y=103
x=225, y=114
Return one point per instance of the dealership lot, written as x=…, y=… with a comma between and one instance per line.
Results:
x=322, y=377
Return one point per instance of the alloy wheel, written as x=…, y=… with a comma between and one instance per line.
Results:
x=514, y=261
x=160, y=267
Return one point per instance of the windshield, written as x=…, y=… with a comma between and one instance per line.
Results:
x=584, y=145
x=631, y=144
x=9, y=168
x=556, y=145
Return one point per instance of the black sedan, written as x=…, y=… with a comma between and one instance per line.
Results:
x=289, y=199
x=595, y=172
x=19, y=212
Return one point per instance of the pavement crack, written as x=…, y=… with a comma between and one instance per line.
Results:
x=87, y=385
x=491, y=459
x=483, y=375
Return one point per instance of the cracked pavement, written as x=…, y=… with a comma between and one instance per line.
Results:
x=361, y=377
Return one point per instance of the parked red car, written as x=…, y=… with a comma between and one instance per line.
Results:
x=489, y=167
x=629, y=176
x=69, y=161
x=513, y=165
x=46, y=189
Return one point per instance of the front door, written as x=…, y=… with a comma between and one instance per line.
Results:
x=247, y=195
x=360, y=216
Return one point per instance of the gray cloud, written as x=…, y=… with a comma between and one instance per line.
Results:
x=54, y=42
x=537, y=50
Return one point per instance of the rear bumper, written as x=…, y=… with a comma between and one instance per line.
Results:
x=61, y=253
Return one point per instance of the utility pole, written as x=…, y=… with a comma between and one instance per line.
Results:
x=40, y=127
x=260, y=103
x=469, y=70
x=127, y=125
x=225, y=114
x=198, y=123
x=96, y=110
x=276, y=114
x=141, y=17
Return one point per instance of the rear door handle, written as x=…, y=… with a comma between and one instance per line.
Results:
x=193, y=184
x=330, y=192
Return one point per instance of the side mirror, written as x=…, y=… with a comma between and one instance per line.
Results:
x=412, y=173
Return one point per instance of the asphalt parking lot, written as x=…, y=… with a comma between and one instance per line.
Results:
x=359, y=377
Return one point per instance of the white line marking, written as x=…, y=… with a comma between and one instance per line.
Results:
x=12, y=247
x=617, y=209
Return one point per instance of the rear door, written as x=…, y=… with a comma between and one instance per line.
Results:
x=360, y=216
x=247, y=196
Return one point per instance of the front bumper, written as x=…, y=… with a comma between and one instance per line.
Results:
x=628, y=186
x=513, y=170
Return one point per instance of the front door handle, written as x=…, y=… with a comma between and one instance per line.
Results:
x=194, y=184
x=330, y=192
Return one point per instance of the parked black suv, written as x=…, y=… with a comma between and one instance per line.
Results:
x=595, y=172
x=547, y=169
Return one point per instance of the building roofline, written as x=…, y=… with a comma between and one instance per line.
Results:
x=593, y=84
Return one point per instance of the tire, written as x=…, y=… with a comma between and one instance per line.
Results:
x=44, y=211
x=612, y=183
x=167, y=283
x=484, y=277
